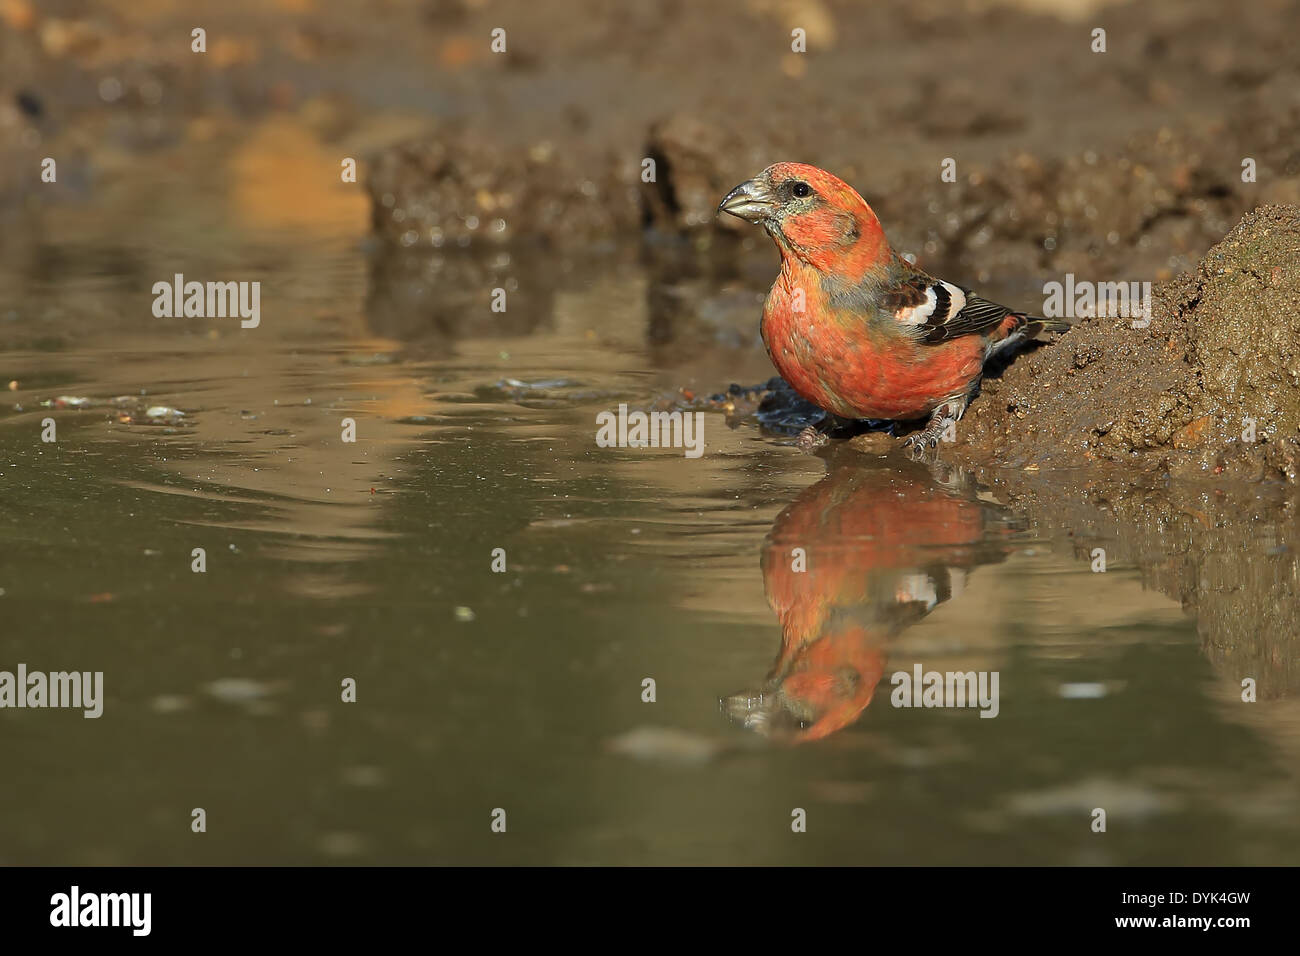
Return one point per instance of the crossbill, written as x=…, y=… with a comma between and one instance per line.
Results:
x=854, y=327
x=882, y=547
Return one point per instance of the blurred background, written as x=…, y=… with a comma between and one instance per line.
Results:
x=523, y=170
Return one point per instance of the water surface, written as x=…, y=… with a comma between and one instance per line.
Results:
x=523, y=689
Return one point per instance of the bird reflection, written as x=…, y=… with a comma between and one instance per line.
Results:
x=855, y=560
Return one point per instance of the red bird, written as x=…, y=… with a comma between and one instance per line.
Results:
x=854, y=327
x=883, y=546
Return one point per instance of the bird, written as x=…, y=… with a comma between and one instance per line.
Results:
x=855, y=328
x=849, y=565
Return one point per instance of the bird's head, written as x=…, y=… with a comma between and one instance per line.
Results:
x=812, y=216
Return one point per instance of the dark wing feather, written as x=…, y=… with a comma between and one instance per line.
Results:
x=977, y=316
x=938, y=311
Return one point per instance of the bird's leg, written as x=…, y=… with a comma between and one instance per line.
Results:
x=943, y=417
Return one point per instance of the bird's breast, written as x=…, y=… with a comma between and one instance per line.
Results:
x=859, y=366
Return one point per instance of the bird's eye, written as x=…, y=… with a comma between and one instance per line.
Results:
x=801, y=190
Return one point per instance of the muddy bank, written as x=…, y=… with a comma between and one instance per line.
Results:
x=1210, y=386
x=1142, y=207
x=1126, y=164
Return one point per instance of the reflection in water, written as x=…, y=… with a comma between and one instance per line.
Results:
x=854, y=561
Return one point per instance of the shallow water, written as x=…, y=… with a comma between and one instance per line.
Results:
x=522, y=689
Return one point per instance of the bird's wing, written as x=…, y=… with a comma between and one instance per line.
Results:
x=937, y=311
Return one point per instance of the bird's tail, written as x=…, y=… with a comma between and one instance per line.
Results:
x=1036, y=325
x=1032, y=325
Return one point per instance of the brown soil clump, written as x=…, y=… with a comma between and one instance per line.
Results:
x=1212, y=384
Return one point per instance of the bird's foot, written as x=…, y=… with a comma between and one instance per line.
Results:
x=810, y=439
x=941, y=426
x=919, y=444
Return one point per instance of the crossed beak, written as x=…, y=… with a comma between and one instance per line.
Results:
x=751, y=201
